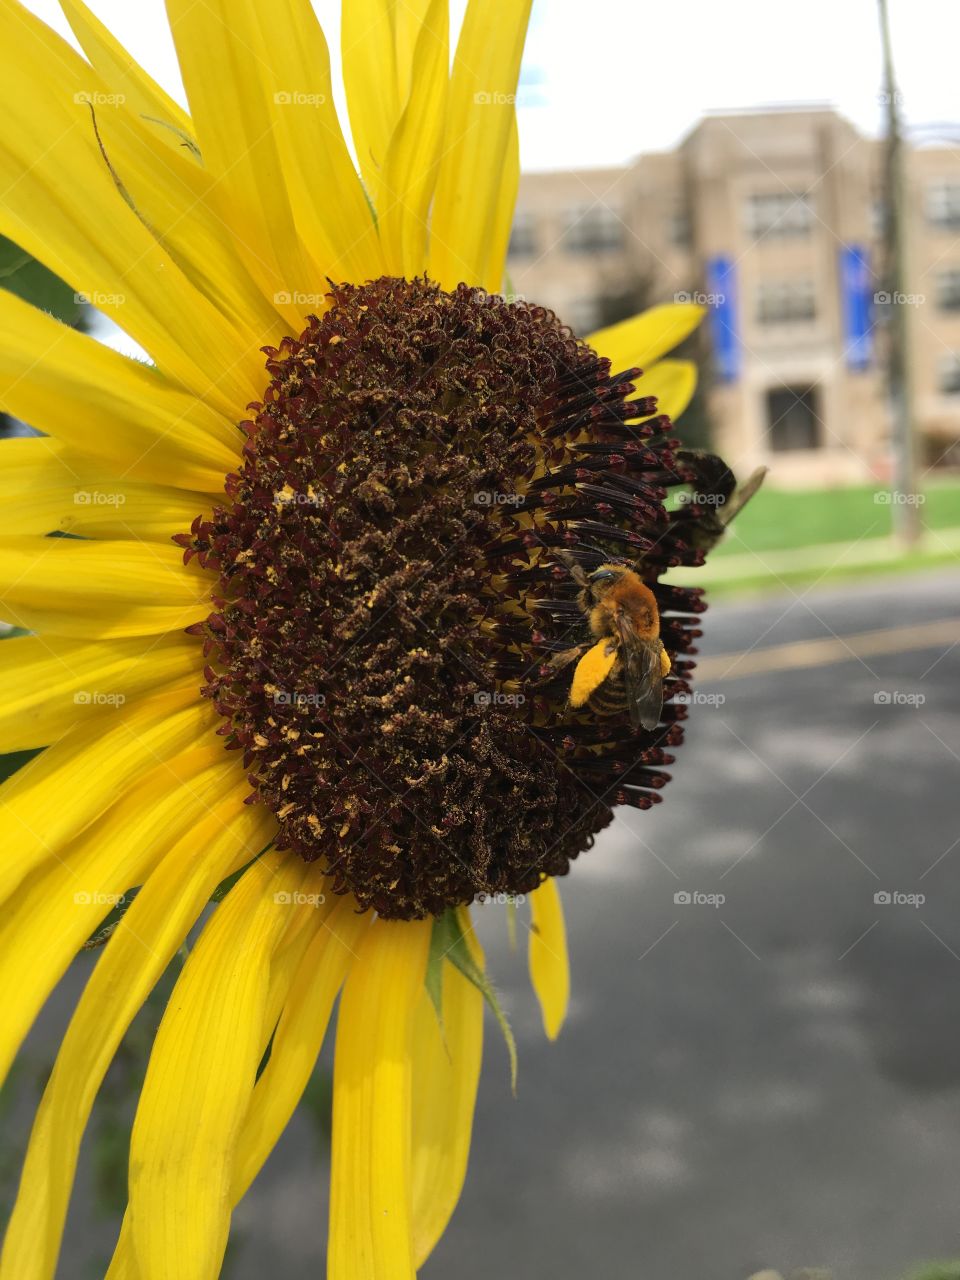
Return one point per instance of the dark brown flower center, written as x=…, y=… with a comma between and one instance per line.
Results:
x=390, y=592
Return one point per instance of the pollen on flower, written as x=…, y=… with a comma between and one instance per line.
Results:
x=393, y=557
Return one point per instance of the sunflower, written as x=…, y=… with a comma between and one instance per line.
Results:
x=299, y=645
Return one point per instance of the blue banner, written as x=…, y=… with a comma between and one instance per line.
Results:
x=856, y=305
x=721, y=293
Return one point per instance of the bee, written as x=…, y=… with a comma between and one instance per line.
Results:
x=624, y=669
x=716, y=496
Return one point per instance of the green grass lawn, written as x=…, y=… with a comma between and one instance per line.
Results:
x=801, y=537
x=778, y=520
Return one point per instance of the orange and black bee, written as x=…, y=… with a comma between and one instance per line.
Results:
x=624, y=669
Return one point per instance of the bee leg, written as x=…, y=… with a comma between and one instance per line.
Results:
x=576, y=570
x=560, y=661
x=592, y=669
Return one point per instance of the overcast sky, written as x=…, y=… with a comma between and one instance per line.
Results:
x=606, y=79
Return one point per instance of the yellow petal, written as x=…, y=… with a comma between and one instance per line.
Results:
x=48, y=684
x=123, y=1264
x=646, y=337
x=299, y=1037
x=43, y=490
x=48, y=153
x=370, y=1195
x=220, y=47
x=331, y=210
x=95, y=401
x=200, y=1077
x=153, y=156
x=549, y=965
x=262, y=102
x=673, y=382
x=307, y=911
x=503, y=213
x=109, y=589
x=45, y=486
x=477, y=142
x=125, y=75
x=178, y=201
x=306, y=973
x=591, y=671
x=57, y=909
x=410, y=171
x=446, y=1071
x=370, y=78
x=143, y=945
x=55, y=795
x=409, y=20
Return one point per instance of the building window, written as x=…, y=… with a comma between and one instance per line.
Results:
x=793, y=421
x=949, y=374
x=948, y=289
x=593, y=230
x=679, y=231
x=943, y=204
x=523, y=236
x=781, y=213
x=878, y=217
x=786, y=302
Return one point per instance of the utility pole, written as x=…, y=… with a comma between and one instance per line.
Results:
x=906, y=497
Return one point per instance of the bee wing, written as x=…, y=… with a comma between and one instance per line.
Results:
x=715, y=481
x=642, y=676
x=742, y=496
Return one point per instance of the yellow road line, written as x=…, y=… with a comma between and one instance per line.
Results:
x=827, y=650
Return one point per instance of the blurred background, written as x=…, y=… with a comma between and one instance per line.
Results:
x=761, y=1068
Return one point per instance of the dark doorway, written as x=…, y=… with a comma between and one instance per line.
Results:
x=793, y=418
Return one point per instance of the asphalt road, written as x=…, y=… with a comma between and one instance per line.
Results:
x=775, y=1080
x=768, y=1080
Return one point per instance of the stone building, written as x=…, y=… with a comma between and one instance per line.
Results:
x=773, y=218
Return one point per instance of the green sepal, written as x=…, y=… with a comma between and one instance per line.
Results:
x=117, y=180
x=185, y=138
x=105, y=928
x=448, y=942
x=224, y=887
x=267, y=1055
x=434, y=979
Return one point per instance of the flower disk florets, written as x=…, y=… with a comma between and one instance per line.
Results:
x=392, y=583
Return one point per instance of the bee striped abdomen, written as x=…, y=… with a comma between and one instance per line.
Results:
x=610, y=698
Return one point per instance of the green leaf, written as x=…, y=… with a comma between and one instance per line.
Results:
x=448, y=942
x=28, y=279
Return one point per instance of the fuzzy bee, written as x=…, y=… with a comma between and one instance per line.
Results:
x=715, y=499
x=624, y=669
